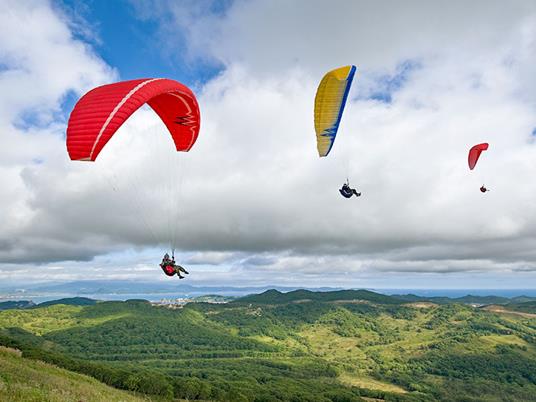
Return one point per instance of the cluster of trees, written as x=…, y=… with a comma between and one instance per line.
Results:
x=526, y=307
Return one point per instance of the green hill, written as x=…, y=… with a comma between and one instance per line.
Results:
x=16, y=304
x=469, y=299
x=27, y=380
x=275, y=297
x=24, y=304
x=70, y=301
x=522, y=299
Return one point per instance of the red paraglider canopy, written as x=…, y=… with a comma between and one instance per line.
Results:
x=474, y=154
x=99, y=114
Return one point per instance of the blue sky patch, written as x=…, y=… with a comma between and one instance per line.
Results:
x=68, y=102
x=259, y=261
x=134, y=45
x=33, y=117
x=387, y=85
x=219, y=7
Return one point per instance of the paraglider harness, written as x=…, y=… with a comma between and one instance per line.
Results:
x=347, y=192
x=170, y=268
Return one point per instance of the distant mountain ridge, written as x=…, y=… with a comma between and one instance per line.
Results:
x=120, y=287
x=261, y=295
x=133, y=287
x=469, y=299
x=273, y=296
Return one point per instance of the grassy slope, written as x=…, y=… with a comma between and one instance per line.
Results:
x=28, y=380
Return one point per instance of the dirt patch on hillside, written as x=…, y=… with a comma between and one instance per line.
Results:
x=502, y=310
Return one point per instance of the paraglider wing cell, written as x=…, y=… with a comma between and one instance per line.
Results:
x=99, y=114
x=474, y=154
x=329, y=104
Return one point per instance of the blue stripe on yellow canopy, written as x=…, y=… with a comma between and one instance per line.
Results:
x=329, y=105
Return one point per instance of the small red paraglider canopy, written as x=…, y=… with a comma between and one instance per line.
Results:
x=474, y=154
x=99, y=114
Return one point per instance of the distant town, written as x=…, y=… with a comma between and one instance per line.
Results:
x=179, y=302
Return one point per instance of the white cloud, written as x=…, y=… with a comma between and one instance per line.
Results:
x=273, y=36
x=255, y=198
x=41, y=63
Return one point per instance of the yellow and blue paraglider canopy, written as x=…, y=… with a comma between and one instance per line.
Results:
x=329, y=104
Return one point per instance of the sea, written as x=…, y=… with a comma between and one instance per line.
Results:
x=453, y=293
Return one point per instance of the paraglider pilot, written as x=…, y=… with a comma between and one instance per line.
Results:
x=348, y=192
x=170, y=268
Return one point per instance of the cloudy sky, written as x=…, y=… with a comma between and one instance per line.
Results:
x=252, y=203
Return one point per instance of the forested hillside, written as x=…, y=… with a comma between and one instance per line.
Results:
x=303, y=346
